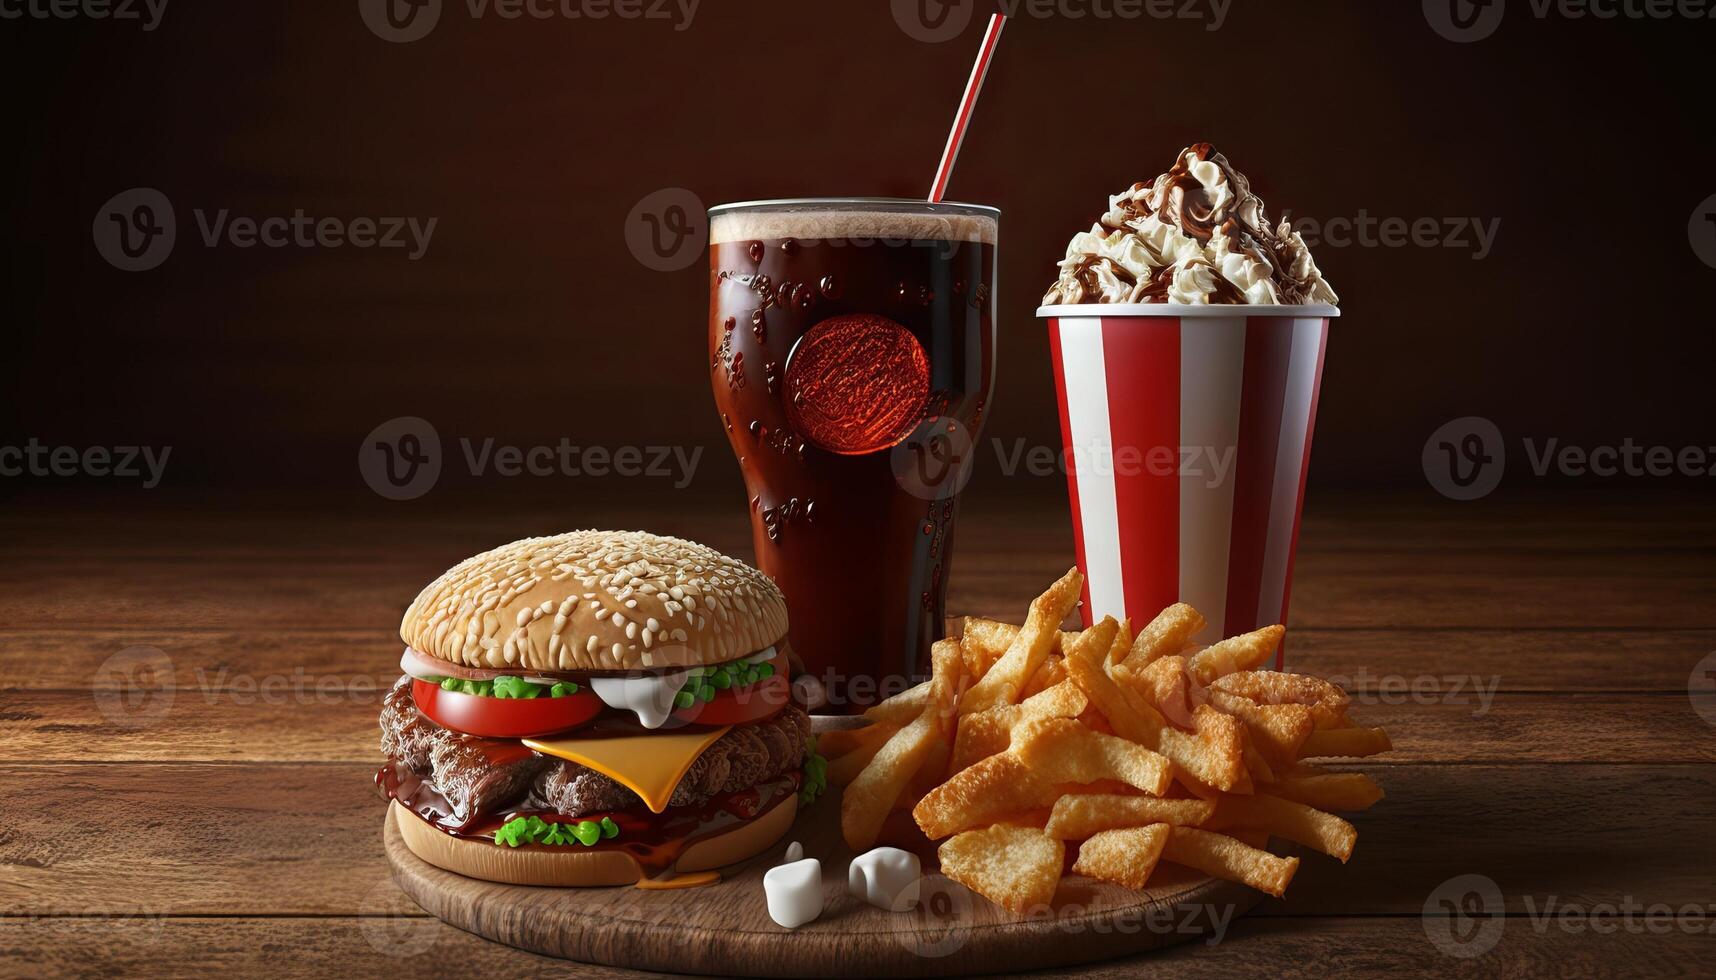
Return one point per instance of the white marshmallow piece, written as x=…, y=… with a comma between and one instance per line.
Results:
x=794, y=852
x=794, y=892
x=887, y=878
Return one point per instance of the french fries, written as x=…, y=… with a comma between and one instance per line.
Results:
x=987, y=732
x=1285, y=818
x=988, y=791
x=853, y=752
x=1076, y=754
x=1014, y=867
x=1125, y=856
x=1344, y=743
x=1235, y=654
x=1001, y=683
x=1230, y=858
x=1081, y=815
x=1140, y=750
x=1329, y=791
x=1165, y=634
x=872, y=793
x=900, y=709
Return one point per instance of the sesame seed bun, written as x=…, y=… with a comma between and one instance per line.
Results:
x=596, y=601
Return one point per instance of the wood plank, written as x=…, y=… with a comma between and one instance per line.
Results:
x=389, y=946
x=251, y=839
x=347, y=526
x=725, y=926
x=289, y=717
x=1363, y=660
x=1346, y=590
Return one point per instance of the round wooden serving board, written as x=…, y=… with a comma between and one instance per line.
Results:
x=725, y=928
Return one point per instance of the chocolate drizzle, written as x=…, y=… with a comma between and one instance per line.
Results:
x=1202, y=211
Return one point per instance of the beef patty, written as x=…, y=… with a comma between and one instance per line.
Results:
x=462, y=769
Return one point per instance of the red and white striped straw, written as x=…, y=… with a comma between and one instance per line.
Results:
x=991, y=36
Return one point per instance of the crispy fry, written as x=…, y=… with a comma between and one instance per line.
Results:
x=995, y=788
x=1327, y=702
x=1076, y=754
x=1284, y=818
x=987, y=732
x=1236, y=653
x=1251, y=837
x=1124, y=856
x=900, y=709
x=1165, y=685
x=1213, y=757
x=986, y=640
x=1052, y=672
x=1259, y=768
x=869, y=797
x=1145, y=749
x=930, y=774
x=1122, y=644
x=844, y=768
x=1165, y=634
x=1329, y=791
x=1001, y=684
x=1225, y=857
x=1014, y=867
x=1130, y=717
x=1077, y=816
x=1345, y=743
x=1276, y=730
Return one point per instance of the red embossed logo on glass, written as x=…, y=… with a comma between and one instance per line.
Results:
x=857, y=384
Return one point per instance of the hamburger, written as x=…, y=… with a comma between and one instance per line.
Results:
x=595, y=708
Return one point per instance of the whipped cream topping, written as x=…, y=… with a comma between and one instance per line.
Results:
x=1194, y=235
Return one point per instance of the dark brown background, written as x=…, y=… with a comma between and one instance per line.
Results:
x=528, y=319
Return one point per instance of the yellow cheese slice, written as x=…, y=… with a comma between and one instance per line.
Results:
x=650, y=764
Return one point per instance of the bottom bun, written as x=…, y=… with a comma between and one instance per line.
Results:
x=564, y=866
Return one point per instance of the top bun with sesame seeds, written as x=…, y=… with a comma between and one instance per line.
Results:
x=596, y=601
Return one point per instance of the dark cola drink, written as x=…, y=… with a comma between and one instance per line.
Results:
x=851, y=350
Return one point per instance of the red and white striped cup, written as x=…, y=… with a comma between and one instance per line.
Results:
x=1188, y=436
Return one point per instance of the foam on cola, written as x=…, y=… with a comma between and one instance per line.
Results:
x=846, y=339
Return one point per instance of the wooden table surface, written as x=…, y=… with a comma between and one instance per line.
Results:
x=1535, y=663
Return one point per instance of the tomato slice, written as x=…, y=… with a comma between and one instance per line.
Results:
x=492, y=717
x=759, y=701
